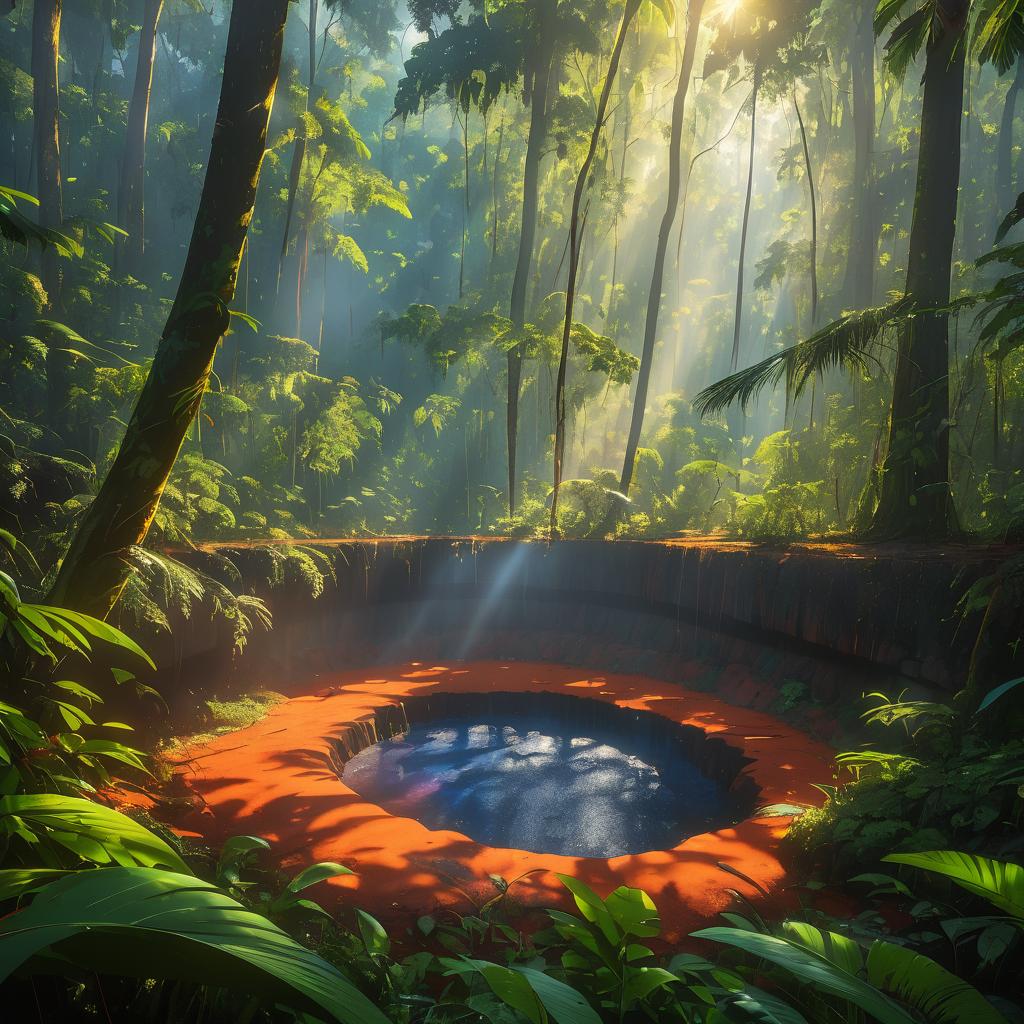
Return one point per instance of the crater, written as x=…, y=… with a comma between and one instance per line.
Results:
x=549, y=773
x=294, y=777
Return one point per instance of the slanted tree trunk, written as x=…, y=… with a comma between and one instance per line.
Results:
x=629, y=12
x=738, y=316
x=863, y=251
x=1005, y=192
x=93, y=571
x=539, y=82
x=914, y=493
x=654, y=297
x=131, y=206
x=46, y=17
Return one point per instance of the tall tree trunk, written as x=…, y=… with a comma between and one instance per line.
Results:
x=540, y=75
x=494, y=191
x=1005, y=191
x=626, y=115
x=93, y=571
x=738, y=316
x=575, y=244
x=49, y=189
x=131, y=207
x=675, y=175
x=863, y=251
x=914, y=494
x=299, y=150
x=465, y=204
x=814, y=214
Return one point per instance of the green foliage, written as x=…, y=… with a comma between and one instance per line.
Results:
x=1001, y=883
x=828, y=963
x=949, y=787
x=849, y=343
x=45, y=629
x=17, y=228
x=160, y=924
x=53, y=826
x=472, y=63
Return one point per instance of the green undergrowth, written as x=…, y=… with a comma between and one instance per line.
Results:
x=229, y=715
x=937, y=778
x=106, y=916
x=241, y=712
x=969, y=799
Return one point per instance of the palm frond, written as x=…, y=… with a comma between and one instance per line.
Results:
x=1000, y=34
x=907, y=40
x=847, y=342
x=1015, y=216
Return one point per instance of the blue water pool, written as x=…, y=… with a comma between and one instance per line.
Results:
x=540, y=781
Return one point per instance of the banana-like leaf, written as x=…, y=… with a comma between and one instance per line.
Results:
x=14, y=882
x=997, y=881
x=938, y=995
x=625, y=912
x=141, y=922
x=812, y=969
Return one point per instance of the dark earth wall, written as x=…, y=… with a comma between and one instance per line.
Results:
x=839, y=619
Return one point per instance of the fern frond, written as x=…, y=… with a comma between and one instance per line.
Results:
x=163, y=585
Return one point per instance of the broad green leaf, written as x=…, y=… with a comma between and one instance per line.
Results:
x=146, y=923
x=96, y=628
x=16, y=881
x=999, y=882
x=634, y=912
x=759, y=1007
x=642, y=981
x=591, y=906
x=938, y=995
x=812, y=969
x=317, y=873
x=562, y=1002
x=511, y=987
x=116, y=836
x=78, y=690
x=372, y=932
x=836, y=949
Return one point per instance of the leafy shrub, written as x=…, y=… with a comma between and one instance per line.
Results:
x=946, y=785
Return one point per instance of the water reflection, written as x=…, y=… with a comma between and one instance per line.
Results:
x=531, y=782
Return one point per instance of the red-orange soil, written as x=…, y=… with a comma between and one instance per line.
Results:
x=274, y=779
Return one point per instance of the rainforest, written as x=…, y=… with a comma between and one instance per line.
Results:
x=512, y=511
